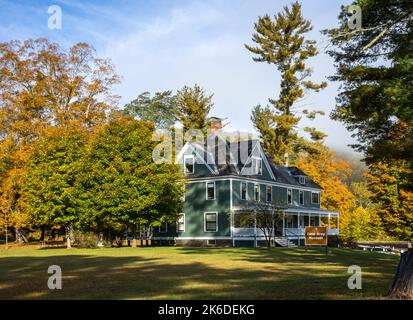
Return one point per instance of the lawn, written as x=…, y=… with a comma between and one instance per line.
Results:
x=193, y=273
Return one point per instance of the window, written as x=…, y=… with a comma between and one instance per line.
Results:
x=302, y=179
x=189, y=164
x=210, y=223
x=302, y=197
x=243, y=191
x=289, y=196
x=315, y=197
x=211, y=242
x=210, y=190
x=256, y=165
x=181, y=223
x=269, y=194
x=163, y=228
x=256, y=192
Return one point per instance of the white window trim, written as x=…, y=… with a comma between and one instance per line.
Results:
x=302, y=179
x=292, y=200
x=318, y=195
x=259, y=192
x=266, y=193
x=246, y=190
x=216, y=220
x=166, y=228
x=189, y=156
x=206, y=191
x=177, y=223
x=299, y=197
x=256, y=158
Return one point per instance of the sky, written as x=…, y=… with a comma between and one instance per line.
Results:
x=159, y=45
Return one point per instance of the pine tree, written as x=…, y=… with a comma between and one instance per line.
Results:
x=281, y=42
x=193, y=107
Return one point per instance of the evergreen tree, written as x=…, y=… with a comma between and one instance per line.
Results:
x=193, y=107
x=281, y=42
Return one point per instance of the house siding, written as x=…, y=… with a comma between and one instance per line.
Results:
x=196, y=205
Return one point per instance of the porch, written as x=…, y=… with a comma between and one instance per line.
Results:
x=290, y=227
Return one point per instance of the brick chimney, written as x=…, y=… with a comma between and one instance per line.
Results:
x=215, y=124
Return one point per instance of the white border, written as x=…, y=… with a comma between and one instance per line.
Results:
x=216, y=215
x=206, y=191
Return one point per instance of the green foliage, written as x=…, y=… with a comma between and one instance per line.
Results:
x=160, y=109
x=50, y=185
x=281, y=42
x=121, y=184
x=193, y=107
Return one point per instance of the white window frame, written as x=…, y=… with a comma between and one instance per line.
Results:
x=206, y=191
x=302, y=180
x=266, y=193
x=292, y=200
x=318, y=196
x=246, y=190
x=216, y=221
x=182, y=216
x=301, y=192
x=252, y=165
x=166, y=227
x=189, y=156
x=259, y=192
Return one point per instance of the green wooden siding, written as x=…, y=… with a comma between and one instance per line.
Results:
x=196, y=205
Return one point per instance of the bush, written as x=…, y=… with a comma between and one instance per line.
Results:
x=87, y=240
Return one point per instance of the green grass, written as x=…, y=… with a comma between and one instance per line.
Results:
x=193, y=273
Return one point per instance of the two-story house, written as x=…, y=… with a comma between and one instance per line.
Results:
x=217, y=191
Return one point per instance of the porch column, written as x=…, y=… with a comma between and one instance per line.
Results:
x=232, y=228
x=319, y=220
x=255, y=230
x=283, y=224
x=299, y=227
x=329, y=220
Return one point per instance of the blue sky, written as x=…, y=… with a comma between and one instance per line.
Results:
x=166, y=44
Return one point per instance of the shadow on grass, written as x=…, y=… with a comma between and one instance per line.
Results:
x=267, y=274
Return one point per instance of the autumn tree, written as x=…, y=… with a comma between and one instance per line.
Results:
x=374, y=66
x=193, y=106
x=281, y=41
x=43, y=85
x=330, y=173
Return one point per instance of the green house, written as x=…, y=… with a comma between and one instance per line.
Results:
x=223, y=184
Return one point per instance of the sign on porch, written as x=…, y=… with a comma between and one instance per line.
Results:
x=315, y=236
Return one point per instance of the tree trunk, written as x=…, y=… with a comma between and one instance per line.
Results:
x=69, y=235
x=402, y=287
x=21, y=235
x=134, y=237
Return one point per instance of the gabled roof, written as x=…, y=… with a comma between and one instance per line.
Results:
x=235, y=162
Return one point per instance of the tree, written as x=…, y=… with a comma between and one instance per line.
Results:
x=375, y=67
x=160, y=109
x=265, y=217
x=281, y=42
x=330, y=173
x=120, y=183
x=193, y=107
x=51, y=182
x=43, y=85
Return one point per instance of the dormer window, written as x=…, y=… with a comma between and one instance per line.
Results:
x=302, y=179
x=189, y=164
x=256, y=165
